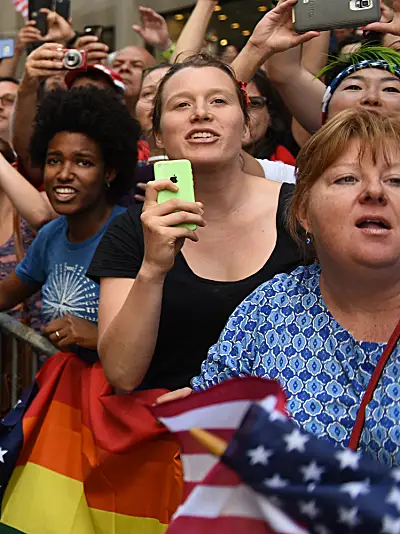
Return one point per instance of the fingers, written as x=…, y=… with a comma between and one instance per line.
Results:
x=53, y=326
x=139, y=198
x=304, y=38
x=138, y=29
x=154, y=187
x=174, y=395
x=171, y=206
x=141, y=185
x=382, y=27
x=183, y=217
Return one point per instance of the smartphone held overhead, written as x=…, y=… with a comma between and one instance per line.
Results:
x=180, y=173
x=6, y=48
x=323, y=15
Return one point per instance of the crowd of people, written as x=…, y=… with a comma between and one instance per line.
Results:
x=293, y=272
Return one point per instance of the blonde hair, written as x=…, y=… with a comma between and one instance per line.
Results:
x=371, y=129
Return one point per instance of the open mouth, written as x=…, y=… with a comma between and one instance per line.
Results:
x=377, y=224
x=202, y=136
x=64, y=194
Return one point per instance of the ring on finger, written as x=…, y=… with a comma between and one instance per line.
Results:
x=58, y=334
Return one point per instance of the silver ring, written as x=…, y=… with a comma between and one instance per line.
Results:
x=58, y=334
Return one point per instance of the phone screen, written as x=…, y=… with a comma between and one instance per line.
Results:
x=6, y=48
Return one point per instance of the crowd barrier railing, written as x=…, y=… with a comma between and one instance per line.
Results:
x=21, y=349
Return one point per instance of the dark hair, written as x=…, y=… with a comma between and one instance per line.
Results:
x=197, y=61
x=100, y=115
x=280, y=118
x=9, y=79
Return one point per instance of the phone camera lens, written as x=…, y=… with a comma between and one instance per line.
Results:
x=365, y=3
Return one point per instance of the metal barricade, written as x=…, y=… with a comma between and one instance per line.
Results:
x=21, y=343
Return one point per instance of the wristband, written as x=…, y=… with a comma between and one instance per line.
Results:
x=72, y=41
x=167, y=54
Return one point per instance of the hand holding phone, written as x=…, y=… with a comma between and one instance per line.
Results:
x=168, y=219
x=322, y=15
x=180, y=173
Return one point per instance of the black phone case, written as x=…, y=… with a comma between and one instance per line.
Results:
x=63, y=8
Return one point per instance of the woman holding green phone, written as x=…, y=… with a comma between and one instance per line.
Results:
x=167, y=290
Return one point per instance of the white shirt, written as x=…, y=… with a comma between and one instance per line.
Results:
x=278, y=171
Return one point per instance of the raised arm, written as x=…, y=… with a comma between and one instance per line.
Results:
x=191, y=40
x=387, y=24
x=26, y=35
x=275, y=42
x=42, y=63
x=33, y=206
x=126, y=348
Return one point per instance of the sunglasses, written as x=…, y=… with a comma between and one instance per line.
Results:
x=257, y=102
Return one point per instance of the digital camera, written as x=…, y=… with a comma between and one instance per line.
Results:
x=75, y=59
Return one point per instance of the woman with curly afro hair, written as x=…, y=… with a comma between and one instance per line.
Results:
x=85, y=142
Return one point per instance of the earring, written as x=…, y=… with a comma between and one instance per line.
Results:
x=107, y=184
x=308, y=239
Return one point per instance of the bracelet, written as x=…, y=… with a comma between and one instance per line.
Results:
x=72, y=41
x=167, y=54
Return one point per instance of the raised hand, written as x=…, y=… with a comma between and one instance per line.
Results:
x=162, y=237
x=58, y=29
x=43, y=62
x=154, y=29
x=274, y=33
x=388, y=23
x=27, y=35
x=97, y=52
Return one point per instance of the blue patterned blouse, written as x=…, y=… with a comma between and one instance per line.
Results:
x=285, y=331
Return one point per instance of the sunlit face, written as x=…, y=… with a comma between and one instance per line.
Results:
x=368, y=88
x=202, y=119
x=353, y=210
x=74, y=173
x=129, y=64
x=8, y=94
x=145, y=105
x=259, y=116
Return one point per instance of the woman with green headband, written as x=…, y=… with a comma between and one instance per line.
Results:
x=378, y=87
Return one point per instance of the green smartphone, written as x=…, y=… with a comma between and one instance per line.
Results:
x=179, y=171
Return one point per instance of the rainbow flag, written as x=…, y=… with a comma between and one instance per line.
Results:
x=82, y=460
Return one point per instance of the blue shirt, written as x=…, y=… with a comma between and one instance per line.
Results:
x=285, y=331
x=59, y=266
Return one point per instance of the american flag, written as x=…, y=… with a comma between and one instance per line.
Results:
x=22, y=6
x=273, y=478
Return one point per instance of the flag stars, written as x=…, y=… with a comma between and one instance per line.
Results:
x=394, y=498
x=2, y=454
x=348, y=516
x=309, y=509
x=276, y=482
x=311, y=472
x=296, y=441
x=348, y=459
x=355, y=489
x=390, y=525
x=259, y=455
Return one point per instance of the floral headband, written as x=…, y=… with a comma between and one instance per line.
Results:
x=243, y=88
x=367, y=63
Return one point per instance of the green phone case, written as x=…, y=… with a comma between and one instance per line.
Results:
x=180, y=172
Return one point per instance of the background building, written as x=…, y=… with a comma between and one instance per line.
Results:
x=233, y=20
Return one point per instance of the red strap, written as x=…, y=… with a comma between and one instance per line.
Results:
x=360, y=419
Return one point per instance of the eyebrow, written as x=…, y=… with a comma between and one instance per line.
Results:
x=209, y=92
x=78, y=153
